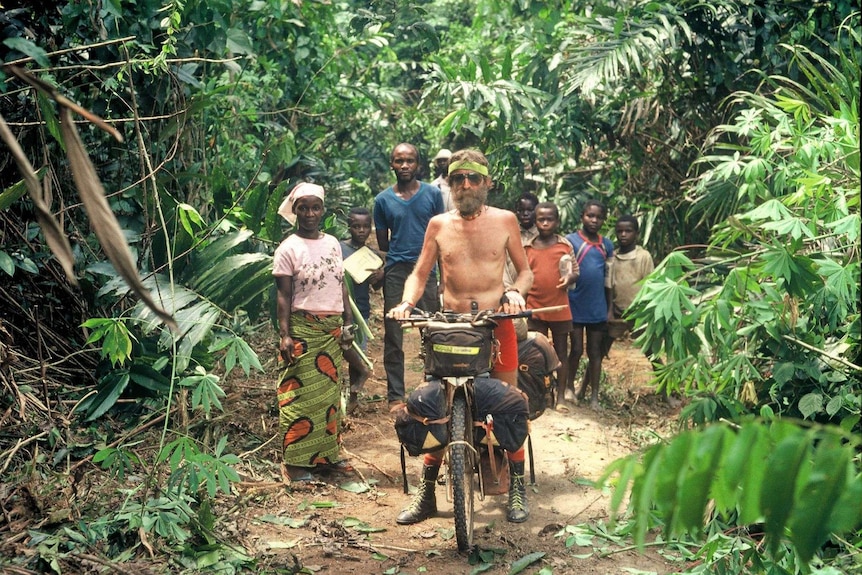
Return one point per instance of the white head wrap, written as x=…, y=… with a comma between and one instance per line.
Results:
x=301, y=190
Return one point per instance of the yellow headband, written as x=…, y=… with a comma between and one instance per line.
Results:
x=468, y=165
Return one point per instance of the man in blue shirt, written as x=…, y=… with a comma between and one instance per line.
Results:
x=401, y=214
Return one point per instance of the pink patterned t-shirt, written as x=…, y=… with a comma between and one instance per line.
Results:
x=316, y=268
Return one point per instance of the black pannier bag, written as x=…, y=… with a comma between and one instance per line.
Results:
x=457, y=349
x=508, y=407
x=423, y=426
x=537, y=365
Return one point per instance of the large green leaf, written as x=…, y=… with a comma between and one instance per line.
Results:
x=734, y=467
x=223, y=279
x=14, y=192
x=29, y=48
x=219, y=282
x=7, y=264
x=812, y=523
x=777, y=493
x=696, y=479
x=213, y=252
x=802, y=484
x=110, y=388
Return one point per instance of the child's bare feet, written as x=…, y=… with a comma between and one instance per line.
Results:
x=352, y=402
x=357, y=384
x=582, y=391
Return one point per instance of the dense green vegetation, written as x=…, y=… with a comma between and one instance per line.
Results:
x=731, y=128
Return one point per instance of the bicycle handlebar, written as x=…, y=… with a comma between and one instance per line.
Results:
x=419, y=316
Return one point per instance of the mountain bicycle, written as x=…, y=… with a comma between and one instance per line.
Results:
x=459, y=349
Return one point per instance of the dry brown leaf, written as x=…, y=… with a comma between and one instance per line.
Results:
x=102, y=219
x=92, y=194
x=142, y=533
x=57, y=240
x=62, y=100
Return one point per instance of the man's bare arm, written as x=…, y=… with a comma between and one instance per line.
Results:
x=414, y=286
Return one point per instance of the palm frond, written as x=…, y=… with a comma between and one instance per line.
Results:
x=216, y=285
x=612, y=54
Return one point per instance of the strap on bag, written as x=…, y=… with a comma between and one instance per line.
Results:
x=532, y=462
x=586, y=245
x=488, y=426
x=426, y=421
x=404, y=470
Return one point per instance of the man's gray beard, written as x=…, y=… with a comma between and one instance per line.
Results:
x=469, y=205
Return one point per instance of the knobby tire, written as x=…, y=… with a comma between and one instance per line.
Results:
x=461, y=458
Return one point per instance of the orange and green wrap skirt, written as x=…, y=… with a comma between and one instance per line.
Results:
x=309, y=395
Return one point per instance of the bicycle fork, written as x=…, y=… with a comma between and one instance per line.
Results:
x=462, y=386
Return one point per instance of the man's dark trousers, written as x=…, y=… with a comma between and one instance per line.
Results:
x=393, y=335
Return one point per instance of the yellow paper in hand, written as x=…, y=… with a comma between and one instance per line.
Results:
x=361, y=263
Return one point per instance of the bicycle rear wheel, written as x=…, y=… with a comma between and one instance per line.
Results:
x=462, y=469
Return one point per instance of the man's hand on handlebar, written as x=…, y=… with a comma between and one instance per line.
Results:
x=512, y=302
x=401, y=311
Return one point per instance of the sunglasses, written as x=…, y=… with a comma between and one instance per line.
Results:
x=458, y=179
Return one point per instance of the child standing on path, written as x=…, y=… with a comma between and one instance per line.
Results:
x=627, y=268
x=359, y=226
x=551, y=259
x=590, y=301
x=525, y=211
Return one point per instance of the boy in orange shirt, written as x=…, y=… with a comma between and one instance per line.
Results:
x=554, y=268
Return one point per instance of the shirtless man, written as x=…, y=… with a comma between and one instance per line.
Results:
x=471, y=243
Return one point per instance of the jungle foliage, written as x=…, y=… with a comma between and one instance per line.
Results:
x=730, y=128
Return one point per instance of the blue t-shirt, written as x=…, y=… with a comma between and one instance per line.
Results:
x=587, y=300
x=406, y=220
x=360, y=291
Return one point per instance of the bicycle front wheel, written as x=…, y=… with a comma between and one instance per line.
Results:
x=462, y=469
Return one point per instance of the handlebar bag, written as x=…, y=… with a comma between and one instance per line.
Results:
x=457, y=349
x=422, y=426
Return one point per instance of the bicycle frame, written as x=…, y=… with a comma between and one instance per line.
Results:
x=460, y=454
x=454, y=386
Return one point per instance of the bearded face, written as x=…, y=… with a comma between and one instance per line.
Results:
x=470, y=201
x=469, y=191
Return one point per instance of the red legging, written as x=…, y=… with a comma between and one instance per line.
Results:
x=507, y=359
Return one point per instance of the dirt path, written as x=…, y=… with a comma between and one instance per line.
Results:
x=327, y=528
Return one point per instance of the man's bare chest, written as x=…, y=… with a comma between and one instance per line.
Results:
x=479, y=247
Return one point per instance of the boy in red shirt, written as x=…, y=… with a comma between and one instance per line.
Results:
x=554, y=268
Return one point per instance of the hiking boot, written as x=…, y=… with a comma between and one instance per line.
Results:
x=517, y=511
x=424, y=504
